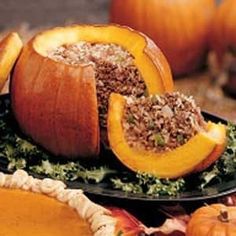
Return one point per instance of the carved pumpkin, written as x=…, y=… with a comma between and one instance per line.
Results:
x=169, y=164
x=179, y=27
x=223, y=34
x=10, y=48
x=56, y=103
x=216, y=219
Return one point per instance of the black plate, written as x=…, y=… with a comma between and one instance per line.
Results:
x=103, y=190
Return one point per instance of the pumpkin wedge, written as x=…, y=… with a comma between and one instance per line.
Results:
x=10, y=48
x=170, y=164
x=56, y=103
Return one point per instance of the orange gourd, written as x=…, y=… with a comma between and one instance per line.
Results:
x=223, y=31
x=170, y=164
x=212, y=220
x=179, y=27
x=56, y=104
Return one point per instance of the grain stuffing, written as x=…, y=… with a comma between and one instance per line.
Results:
x=115, y=70
x=161, y=123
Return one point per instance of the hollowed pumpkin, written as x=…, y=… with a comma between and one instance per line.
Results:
x=56, y=103
x=169, y=164
x=10, y=48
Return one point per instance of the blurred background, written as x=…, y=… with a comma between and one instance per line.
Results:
x=28, y=17
x=55, y=12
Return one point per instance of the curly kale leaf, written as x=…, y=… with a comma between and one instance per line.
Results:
x=150, y=185
x=72, y=171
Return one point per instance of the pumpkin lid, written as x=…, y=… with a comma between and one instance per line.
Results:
x=10, y=48
x=34, y=207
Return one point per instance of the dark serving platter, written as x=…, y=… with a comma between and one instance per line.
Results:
x=104, y=191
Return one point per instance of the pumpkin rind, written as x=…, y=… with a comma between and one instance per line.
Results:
x=170, y=164
x=10, y=48
x=56, y=104
x=220, y=137
x=205, y=221
x=50, y=103
x=179, y=27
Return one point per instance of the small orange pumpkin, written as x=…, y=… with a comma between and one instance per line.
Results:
x=213, y=220
x=179, y=27
x=56, y=103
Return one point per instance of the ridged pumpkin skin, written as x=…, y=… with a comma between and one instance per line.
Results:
x=223, y=32
x=207, y=221
x=10, y=48
x=169, y=164
x=56, y=104
x=178, y=27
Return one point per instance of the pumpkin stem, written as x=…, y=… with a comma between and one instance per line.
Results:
x=223, y=216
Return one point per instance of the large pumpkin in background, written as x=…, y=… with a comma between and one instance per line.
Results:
x=56, y=104
x=223, y=32
x=179, y=27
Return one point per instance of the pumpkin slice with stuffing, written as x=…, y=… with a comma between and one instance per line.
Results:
x=163, y=135
x=64, y=76
x=10, y=48
x=30, y=206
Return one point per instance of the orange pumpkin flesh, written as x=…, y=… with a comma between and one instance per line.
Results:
x=213, y=220
x=35, y=214
x=170, y=164
x=179, y=27
x=56, y=104
x=10, y=48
